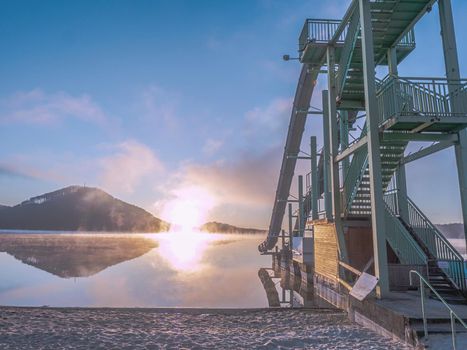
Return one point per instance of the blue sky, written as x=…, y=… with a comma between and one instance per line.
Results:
x=158, y=100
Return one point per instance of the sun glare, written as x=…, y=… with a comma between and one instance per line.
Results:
x=189, y=209
x=184, y=246
x=184, y=251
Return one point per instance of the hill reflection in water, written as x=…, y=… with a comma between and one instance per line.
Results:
x=131, y=270
x=74, y=255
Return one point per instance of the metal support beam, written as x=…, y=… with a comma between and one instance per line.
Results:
x=290, y=226
x=427, y=151
x=399, y=136
x=392, y=61
x=451, y=62
x=301, y=211
x=374, y=156
x=352, y=149
x=326, y=166
x=344, y=138
x=334, y=150
x=401, y=179
x=402, y=202
x=314, y=178
x=347, y=51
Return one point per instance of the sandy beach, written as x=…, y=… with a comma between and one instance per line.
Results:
x=68, y=328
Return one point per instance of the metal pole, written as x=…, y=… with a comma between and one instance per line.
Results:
x=374, y=156
x=402, y=202
x=290, y=227
x=326, y=147
x=314, y=178
x=453, y=330
x=344, y=133
x=283, y=240
x=334, y=151
x=401, y=179
x=422, y=296
x=451, y=62
x=301, y=216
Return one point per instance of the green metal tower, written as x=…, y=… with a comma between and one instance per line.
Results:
x=362, y=179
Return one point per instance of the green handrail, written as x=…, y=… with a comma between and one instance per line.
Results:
x=401, y=242
x=438, y=245
x=452, y=313
x=355, y=174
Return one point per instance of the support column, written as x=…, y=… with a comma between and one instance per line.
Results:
x=314, y=179
x=344, y=136
x=290, y=227
x=334, y=151
x=374, y=156
x=401, y=180
x=451, y=62
x=301, y=216
x=326, y=170
x=402, y=202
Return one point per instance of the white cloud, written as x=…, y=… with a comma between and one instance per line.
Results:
x=272, y=117
x=123, y=171
x=38, y=107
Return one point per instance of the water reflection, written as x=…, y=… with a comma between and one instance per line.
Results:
x=284, y=289
x=151, y=270
x=74, y=255
x=184, y=250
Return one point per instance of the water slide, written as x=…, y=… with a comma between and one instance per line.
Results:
x=301, y=104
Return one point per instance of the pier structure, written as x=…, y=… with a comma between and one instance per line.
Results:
x=351, y=213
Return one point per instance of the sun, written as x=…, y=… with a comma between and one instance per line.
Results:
x=189, y=208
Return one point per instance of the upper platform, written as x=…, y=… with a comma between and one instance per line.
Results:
x=317, y=33
x=392, y=27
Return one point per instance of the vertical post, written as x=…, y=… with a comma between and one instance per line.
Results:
x=374, y=156
x=333, y=151
x=402, y=202
x=283, y=240
x=451, y=62
x=401, y=179
x=301, y=216
x=344, y=133
x=327, y=174
x=314, y=178
x=392, y=61
x=290, y=227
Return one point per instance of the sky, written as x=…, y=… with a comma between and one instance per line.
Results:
x=162, y=102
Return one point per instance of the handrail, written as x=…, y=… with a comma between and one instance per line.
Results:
x=437, y=244
x=434, y=241
x=452, y=313
x=355, y=173
x=430, y=97
x=402, y=242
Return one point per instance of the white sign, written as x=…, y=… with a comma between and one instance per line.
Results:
x=364, y=285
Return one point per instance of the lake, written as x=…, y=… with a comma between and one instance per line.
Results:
x=132, y=270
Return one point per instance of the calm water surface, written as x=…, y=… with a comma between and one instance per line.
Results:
x=141, y=270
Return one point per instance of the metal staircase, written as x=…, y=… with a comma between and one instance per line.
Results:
x=445, y=265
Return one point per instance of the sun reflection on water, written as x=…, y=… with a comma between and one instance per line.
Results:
x=184, y=250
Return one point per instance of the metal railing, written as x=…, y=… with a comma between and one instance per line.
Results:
x=319, y=31
x=428, y=97
x=408, y=40
x=405, y=247
x=354, y=174
x=452, y=314
x=438, y=245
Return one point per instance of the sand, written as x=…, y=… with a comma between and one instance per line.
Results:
x=50, y=328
